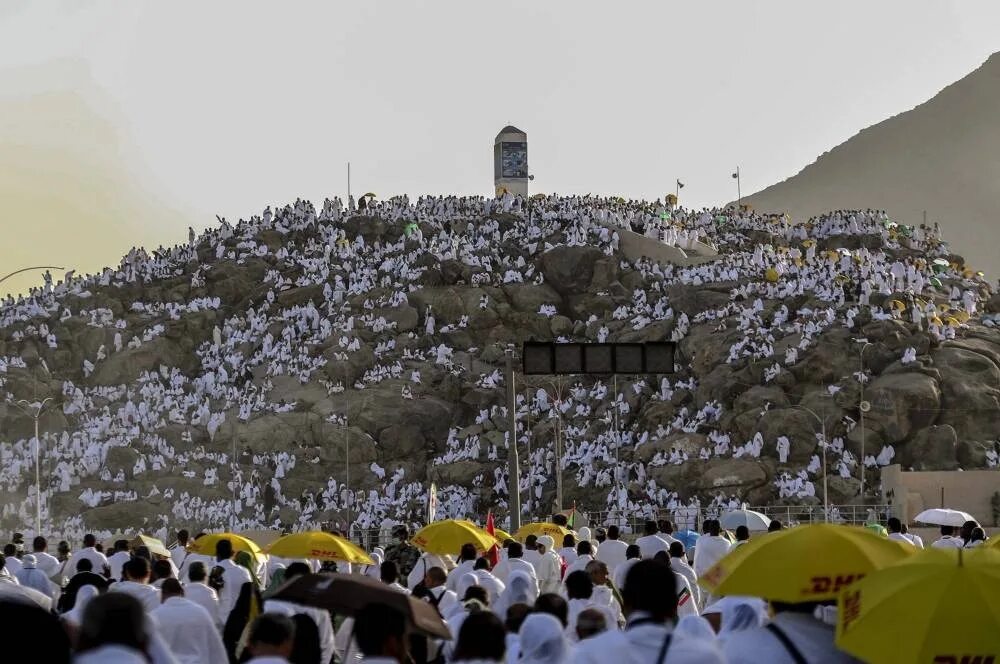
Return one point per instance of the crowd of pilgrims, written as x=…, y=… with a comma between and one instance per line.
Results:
x=500, y=240
x=591, y=597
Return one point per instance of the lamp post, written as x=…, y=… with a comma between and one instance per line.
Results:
x=822, y=425
x=24, y=405
x=513, y=463
x=863, y=407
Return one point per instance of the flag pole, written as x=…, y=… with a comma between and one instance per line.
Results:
x=739, y=192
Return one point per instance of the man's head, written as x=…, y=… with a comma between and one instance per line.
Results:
x=295, y=570
x=468, y=552
x=272, y=635
x=894, y=525
x=553, y=604
x=650, y=587
x=162, y=569
x=380, y=631
x=600, y=535
x=569, y=541
x=966, y=531
x=590, y=622
x=714, y=528
x=223, y=549
x=182, y=537
x=389, y=572
x=197, y=572
x=84, y=565
x=39, y=544
x=666, y=526
x=545, y=543
x=482, y=563
x=598, y=571
x=650, y=528
x=775, y=526
x=435, y=577
x=677, y=550
x=516, y=613
x=633, y=551
x=947, y=531
x=137, y=570
x=121, y=545
x=613, y=532
x=560, y=520
x=530, y=542
x=63, y=548
x=114, y=619
x=515, y=550
x=401, y=533
x=742, y=534
x=171, y=588
x=9, y=550
x=584, y=548
x=482, y=637
x=89, y=540
x=579, y=585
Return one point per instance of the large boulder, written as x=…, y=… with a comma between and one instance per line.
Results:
x=970, y=391
x=728, y=474
x=902, y=404
x=570, y=269
x=933, y=448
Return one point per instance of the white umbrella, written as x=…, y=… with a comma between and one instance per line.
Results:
x=941, y=516
x=10, y=591
x=754, y=521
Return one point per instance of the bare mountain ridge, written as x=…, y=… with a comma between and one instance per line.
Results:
x=942, y=157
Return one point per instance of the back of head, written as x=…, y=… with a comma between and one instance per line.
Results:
x=223, y=549
x=437, y=577
x=977, y=534
x=515, y=550
x=136, y=569
x=121, y=545
x=665, y=526
x=590, y=622
x=182, y=536
x=530, y=542
x=966, y=529
x=947, y=531
x=39, y=544
x=560, y=520
x=162, y=569
x=553, y=604
x=633, y=551
x=89, y=540
x=579, y=585
x=584, y=548
x=197, y=572
x=144, y=553
x=677, y=550
x=113, y=619
x=9, y=550
x=48, y=639
x=296, y=569
x=389, y=572
x=775, y=526
x=516, y=613
x=379, y=630
x=171, y=588
x=742, y=533
x=650, y=586
x=271, y=634
x=650, y=528
x=481, y=636
x=894, y=525
x=84, y=565
x=714, y=528
x=477, y=593
x=468, y=552
x=613, y=532
x=569, y=540
x=481, y=563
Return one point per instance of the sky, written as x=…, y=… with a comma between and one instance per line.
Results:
x=123, y=123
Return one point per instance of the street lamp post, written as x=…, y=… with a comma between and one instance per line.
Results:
x=822, y=425
x=24, y=405
x=863, y=407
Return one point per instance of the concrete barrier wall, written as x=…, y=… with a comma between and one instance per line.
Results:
x=912, y=492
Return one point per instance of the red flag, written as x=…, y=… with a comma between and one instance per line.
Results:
x=493, y=555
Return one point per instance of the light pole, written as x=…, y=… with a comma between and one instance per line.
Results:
x=863, y=407
x=24, y=405
x=513, y=463
x=822, y=425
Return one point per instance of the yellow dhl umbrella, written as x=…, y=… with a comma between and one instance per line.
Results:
x=940, y=605
x=554, y=531
x=317, y=545
x=501, y=535
x=448, y=536
x=205, y=544
x=803, y=564
x=153, y=544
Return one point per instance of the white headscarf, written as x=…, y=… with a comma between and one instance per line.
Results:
x=542, y=640
x=465, y=582
x=696, y=627
x=520, y=590
x=584, y=534
x=547, y=542
x=83, y=596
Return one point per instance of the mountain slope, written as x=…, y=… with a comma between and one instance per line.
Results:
x=942, y=157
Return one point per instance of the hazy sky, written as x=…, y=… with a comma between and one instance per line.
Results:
x=191, y=109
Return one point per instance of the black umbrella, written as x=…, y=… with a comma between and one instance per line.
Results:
x=347, y=594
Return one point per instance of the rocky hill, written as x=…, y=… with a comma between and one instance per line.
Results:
x=349, y=359
x=939, y=158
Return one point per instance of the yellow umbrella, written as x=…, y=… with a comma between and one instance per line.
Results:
x=317, y=545
x=153, y=544
x=501, y=535
x=205, y=544
x=940, y=605
x=803, y=564
x=448, y=536
x=538, y=529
